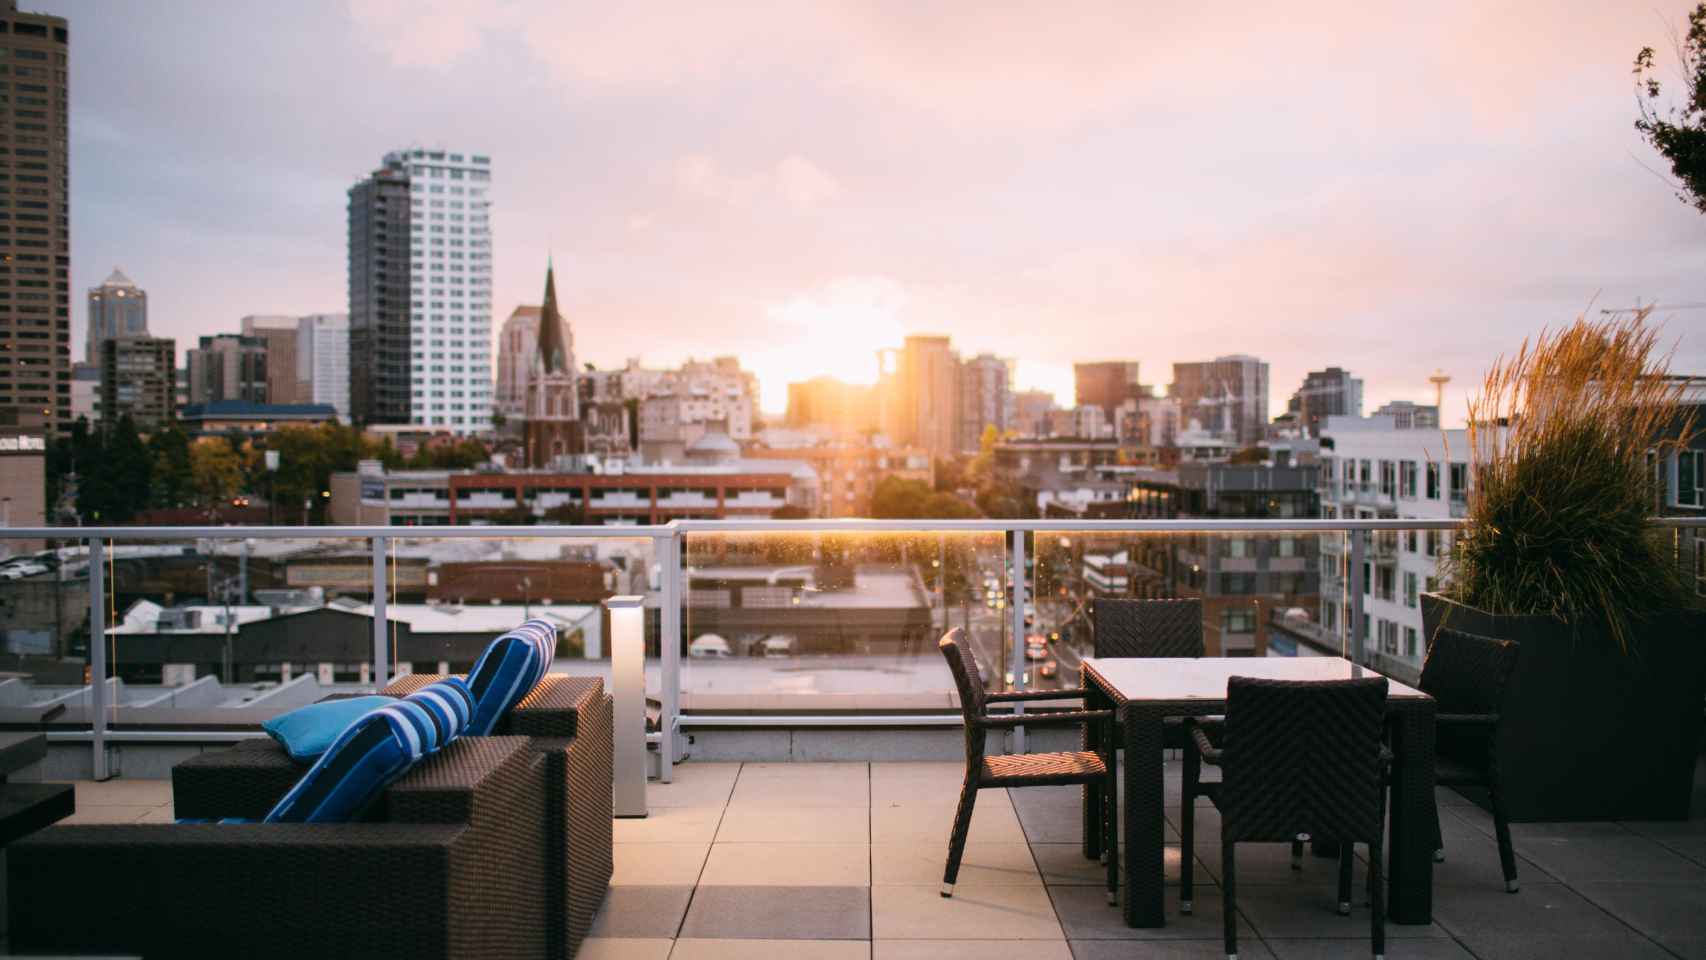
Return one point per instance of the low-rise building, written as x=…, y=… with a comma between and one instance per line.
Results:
x=224, y=416
x=848, y=472
x=644, y=494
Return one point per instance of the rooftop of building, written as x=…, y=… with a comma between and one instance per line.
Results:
x=245, y=410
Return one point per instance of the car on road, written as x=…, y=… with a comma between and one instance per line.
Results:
x=1049, y=670
x=1036, y=650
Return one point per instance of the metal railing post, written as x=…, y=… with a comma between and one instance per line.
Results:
x=1018, y=619
x=381, y=640
x=98, y=657
x=1359, y=553
x=669, y=652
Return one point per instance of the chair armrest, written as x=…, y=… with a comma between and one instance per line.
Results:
x=1017, y=696
x=1066, y=718
x=1467, y=719
x=1204, y=746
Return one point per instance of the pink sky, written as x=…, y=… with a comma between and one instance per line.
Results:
x=1389, y=189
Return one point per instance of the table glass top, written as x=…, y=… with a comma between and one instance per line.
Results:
x=1164, y=678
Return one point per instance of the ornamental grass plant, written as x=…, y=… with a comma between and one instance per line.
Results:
x=1566, y=439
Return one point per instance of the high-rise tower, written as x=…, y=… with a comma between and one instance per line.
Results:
x=117, y=308
x=35, y=250
x=420, y=246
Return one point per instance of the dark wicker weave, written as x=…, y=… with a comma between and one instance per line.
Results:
x=567, y=720
x=1298, y=758
x=1466, y=674
x=1147, y=628
x=451, y=869
x=1123, y=627
x=1020, y=770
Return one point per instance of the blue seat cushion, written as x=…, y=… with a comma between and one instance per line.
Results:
x=509, y=669
x=374, y=751
x=306, y=732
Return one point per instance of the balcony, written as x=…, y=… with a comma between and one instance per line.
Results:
x=806, y=761
x=844, y=859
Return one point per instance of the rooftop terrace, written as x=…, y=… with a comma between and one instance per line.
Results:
x=843, y=860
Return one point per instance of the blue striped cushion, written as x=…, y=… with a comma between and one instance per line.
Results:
x=509, y=669
x=374, y=751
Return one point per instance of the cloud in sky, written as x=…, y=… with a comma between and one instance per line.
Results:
x=1388, y=189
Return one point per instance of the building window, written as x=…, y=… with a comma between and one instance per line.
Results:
x=1409, y=590
x=1459, y=482
x=1407, y=479
x=1410, y=642
x=1387, y=478
x=1433, y=481
x=1410, y=541
x=1699, y=565
x=1389, y=637
x=1430, y=540
x=1238, y=620
x=1365, y=474
x=1690, y=478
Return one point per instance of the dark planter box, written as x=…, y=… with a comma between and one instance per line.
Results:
x=1588, y=731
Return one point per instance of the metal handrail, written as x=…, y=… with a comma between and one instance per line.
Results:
x=667, y=541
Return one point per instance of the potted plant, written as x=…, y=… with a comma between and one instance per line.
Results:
x=1603, y=712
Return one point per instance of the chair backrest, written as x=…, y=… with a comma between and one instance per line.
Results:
x=1147, y=628
x=963, y=665
x=1302, y=757
x=1466, y=672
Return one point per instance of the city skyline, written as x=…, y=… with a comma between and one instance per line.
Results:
x=705, y=198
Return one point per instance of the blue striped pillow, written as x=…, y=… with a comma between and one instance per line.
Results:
x=374, y=751
x=508, y=671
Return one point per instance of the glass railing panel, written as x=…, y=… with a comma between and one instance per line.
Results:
x=812, y=621
x=228, y=631
x=447, y=598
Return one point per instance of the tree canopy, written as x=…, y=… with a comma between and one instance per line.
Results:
x=1678, y=131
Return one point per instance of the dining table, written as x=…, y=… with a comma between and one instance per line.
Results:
x=1145, y=691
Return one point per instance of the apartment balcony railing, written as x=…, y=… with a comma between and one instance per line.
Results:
x=752, y=624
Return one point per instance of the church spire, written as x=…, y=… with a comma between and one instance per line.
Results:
x=553, y=349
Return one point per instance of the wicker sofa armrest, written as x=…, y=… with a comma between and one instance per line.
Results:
x=551, y=709
x=245, y=781
x=437, y=890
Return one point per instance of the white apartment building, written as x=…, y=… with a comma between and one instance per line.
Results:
x=1373, y=469
x=322, y=360
x=450, y=287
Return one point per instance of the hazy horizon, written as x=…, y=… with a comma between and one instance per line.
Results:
x=1389, y=191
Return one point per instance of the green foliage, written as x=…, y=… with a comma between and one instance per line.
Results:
x=1678, y=132
x=174, y=480
x=1560, y=511
x=460, y=455
x=216, y=470
x=898, y=498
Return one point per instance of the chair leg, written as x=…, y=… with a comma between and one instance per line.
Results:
x=1297, y=853
x=1229, y=907
x=1111, y=822
x=1377, y=901
x=1346, y=855
x=1507, y=856
x=957, y=840
x=1094, y=806
x=1188, y=827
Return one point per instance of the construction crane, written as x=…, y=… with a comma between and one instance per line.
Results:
x=1656, y=307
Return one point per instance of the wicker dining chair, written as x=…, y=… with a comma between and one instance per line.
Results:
x=1020, y=770
x=1147, y=628
x=1466, y=675
x=1296, y=757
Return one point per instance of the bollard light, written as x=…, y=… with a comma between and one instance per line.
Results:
x=628, y=693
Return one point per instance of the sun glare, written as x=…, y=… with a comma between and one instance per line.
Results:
x=835, y=332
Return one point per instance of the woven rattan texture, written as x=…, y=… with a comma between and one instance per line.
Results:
x=1147, y=628
x=1301, y=757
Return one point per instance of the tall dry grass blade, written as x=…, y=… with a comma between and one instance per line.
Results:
x=1564, y=437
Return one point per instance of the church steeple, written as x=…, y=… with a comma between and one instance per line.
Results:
x=554, y=353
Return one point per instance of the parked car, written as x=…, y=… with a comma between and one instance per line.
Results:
x=709, y=645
